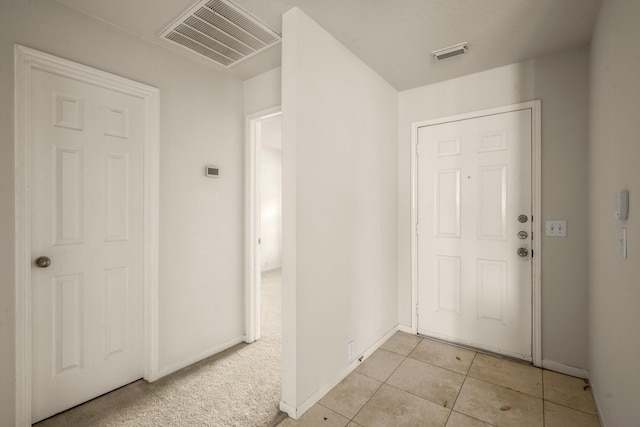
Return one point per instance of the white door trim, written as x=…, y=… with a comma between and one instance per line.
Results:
x=536, y=182
x=252, y=222
x=26, y=60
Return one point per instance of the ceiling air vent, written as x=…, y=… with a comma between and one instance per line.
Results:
x=220, y=31
x=448, y=52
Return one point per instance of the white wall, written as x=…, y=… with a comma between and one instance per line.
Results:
x=339, y=208
x=201, y=229
x=561, y=82
x=263, y=91
x=271, y=209
x=614, y=155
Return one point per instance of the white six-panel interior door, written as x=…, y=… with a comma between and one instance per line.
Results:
x=87, y=219
x=474, y=231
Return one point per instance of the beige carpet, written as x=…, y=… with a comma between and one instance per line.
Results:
x=238, y=387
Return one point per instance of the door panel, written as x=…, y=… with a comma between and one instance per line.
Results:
x=474, y=180
x=87, y=217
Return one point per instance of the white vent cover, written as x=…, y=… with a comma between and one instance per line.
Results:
x=448, y=52
x=220, y=31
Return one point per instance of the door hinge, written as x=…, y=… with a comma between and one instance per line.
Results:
x=531, y=253
x=417, y=229
x=259, y=240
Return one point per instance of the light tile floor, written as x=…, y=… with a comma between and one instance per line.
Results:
x=414, y=381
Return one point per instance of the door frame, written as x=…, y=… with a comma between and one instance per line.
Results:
x=536, y=192
x=252, y=221
x=27, y=60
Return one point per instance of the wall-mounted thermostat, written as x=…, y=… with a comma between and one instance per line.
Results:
x=212, y=171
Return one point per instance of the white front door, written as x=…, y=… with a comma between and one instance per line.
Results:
x=87, y=219
x=474, y=199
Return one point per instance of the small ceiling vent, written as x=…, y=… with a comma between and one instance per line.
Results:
x=221, y=32
x=448, y=52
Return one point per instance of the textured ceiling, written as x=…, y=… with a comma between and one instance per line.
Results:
x=394, y=37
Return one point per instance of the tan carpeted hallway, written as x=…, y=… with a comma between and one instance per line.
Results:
x=238, y=387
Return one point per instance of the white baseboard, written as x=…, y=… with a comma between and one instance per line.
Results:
x=307, y=404
x=594, y=387
x=406, y=329
x=190, y=361
x=552, y=365
x=290, y=410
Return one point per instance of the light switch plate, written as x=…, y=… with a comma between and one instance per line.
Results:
x=556, y=228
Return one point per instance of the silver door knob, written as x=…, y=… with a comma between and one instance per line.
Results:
x=43, y=262
x=523, y=252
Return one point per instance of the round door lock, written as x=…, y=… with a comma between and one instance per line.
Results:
x=523, y=218
x=523, y=252
x=522, y=235
x=43, y=262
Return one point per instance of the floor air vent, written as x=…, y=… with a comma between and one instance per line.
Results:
x=220, y=31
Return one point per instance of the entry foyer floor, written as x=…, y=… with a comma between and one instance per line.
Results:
x=414, y=381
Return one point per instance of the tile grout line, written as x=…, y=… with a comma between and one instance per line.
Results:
x=329, y=409
x=385, y=381
x=569, y=407
x=544, y=399
x=506, y=387
x=497, y=385
x=419, y=397
x=435, y=366
x=442, y=367
x=466, y=375
x=375, y=392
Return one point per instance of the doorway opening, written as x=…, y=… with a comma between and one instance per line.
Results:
x=263, y=220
